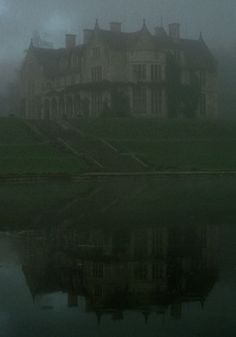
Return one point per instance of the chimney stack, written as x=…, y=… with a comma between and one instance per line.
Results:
x=174, y=31
x=70, y=41
x=115, y=27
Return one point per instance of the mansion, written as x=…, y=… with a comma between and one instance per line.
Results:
x=118, y=73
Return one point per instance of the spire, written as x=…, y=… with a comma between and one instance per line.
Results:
x=201, y=39
x=144, y=24
x=96, y=24
x=144, y=27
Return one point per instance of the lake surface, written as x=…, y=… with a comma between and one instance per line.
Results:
x=119, y=257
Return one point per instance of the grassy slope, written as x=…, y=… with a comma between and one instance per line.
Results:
x=22, y=151
x=162, y=144
x=177, y=145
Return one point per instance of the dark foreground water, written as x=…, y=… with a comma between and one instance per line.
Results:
x=118, y=258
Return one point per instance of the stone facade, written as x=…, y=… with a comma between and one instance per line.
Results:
x=117, y=73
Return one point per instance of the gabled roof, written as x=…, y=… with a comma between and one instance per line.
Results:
x=197, y=54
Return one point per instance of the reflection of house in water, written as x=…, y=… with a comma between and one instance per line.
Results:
x=149, y=270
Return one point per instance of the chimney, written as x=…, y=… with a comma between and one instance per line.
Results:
x=87, y=35
x=174, y=30
x=115, y=27
x=70, y=41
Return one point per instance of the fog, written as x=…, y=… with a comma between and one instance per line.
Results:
x=53, y=18
x=215, y=18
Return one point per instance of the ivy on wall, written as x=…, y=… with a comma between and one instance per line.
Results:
x=182, y=99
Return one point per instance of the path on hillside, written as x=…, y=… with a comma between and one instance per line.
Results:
x=96, y=151
x=112, y=156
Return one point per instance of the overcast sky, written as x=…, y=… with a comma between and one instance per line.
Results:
x=19, y=18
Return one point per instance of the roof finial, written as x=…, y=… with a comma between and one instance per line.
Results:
x=201, y=39
x=144, y=22
x=31, y=43
x=96, y=24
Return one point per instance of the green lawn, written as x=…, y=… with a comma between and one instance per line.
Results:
x=170, y=144
x=183, y=155
x=161, y=144
x=136, y=128
x=22, y=152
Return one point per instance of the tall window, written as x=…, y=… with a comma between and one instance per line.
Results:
x=158, y=271
x=140, y=271
x=139, y=72
x=96, y=103
x=96, y=73
x=96, y=52
x=98, y=270
x=203, y=104
x=156, y=102
x=156, y=72
x=140, y=100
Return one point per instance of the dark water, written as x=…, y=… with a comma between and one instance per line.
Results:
x=123, y=258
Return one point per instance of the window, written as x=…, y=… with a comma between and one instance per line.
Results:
x=96, y=52
x=203, y=104
x=140, y=100
x=73, y=61
x=31, y=87
x=185, y=77
x=156, y=72
x=96, y=103
x=156, y=102
x=177, y=56
x=77, y=78
x=141, y=271
x=158, y=271
x=98, y=270
x=96, y=73
x=158, y=243
x=139, y=72
x=98, y=291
